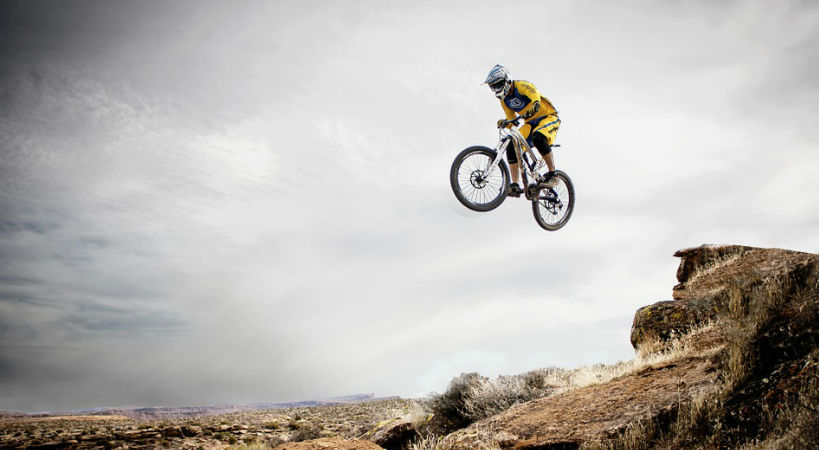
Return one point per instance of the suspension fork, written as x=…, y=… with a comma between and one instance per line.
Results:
x=492, y=165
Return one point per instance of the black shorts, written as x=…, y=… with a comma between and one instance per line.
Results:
x=540, y=143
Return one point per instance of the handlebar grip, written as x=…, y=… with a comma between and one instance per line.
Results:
x=510, y=122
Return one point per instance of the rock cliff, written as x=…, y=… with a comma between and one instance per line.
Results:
x=731, y=361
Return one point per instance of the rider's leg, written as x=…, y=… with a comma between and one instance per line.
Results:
x=550, y=161
x=542, y=144
x=514, y=169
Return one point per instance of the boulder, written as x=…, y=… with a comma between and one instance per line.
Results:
x=392, y=435
x=191, y=430
x=172, y=431
x=668, y=319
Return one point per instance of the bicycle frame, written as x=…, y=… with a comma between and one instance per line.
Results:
x=512, y=136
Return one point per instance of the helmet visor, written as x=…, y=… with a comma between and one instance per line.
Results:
x=497, y=85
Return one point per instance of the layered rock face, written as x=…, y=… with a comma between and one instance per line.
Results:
x=707, y=276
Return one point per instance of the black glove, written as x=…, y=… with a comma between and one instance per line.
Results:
x=503, y=123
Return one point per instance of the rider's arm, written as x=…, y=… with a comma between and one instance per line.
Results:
x=509, y=113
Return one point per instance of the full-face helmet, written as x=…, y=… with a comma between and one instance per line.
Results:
x=499, y=81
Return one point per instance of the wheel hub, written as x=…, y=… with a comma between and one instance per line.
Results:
x=477, y=179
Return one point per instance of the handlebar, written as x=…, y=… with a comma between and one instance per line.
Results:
x=507, y=122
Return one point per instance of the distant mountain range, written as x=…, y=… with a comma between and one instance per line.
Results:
x=175, y=412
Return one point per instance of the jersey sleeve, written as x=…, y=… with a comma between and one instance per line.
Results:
x=506, y=110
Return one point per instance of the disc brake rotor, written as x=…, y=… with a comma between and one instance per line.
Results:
x=477, y=179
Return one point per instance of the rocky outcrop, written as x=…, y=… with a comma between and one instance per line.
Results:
x=392, y=434
x=707, y=275
x=665, y=320
x=730, y=379
x=712, y=270
x=696, y=259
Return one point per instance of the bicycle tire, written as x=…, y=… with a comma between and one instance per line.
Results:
x=464, y=178
x=544, y=206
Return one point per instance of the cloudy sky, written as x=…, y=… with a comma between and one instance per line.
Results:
x=224, y=202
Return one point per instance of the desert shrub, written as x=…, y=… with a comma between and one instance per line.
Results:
x=449, y=407
x=223, y=436
x=306, y=433
x=471, y=397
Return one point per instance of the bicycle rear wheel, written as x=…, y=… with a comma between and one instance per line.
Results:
x=553, y=207
x=470, y=184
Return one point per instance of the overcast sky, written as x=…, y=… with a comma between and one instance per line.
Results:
x=231, y=202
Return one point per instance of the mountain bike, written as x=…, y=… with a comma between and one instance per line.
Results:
x=480, y=180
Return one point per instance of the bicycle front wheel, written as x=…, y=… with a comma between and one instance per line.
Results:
x=472, y=186
x=553, y=207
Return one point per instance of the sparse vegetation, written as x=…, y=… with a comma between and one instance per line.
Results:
x=244, y=430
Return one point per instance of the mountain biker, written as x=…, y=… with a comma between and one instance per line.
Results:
x=540, y=129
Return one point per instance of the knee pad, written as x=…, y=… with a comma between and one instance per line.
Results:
x=541, y=144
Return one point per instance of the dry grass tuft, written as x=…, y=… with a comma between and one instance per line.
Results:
x=427, y=441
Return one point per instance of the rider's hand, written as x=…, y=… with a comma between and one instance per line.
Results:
x=504, y=123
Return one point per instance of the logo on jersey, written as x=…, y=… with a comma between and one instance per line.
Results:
x=515, y=103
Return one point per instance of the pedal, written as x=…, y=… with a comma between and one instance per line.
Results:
x=514, y=192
